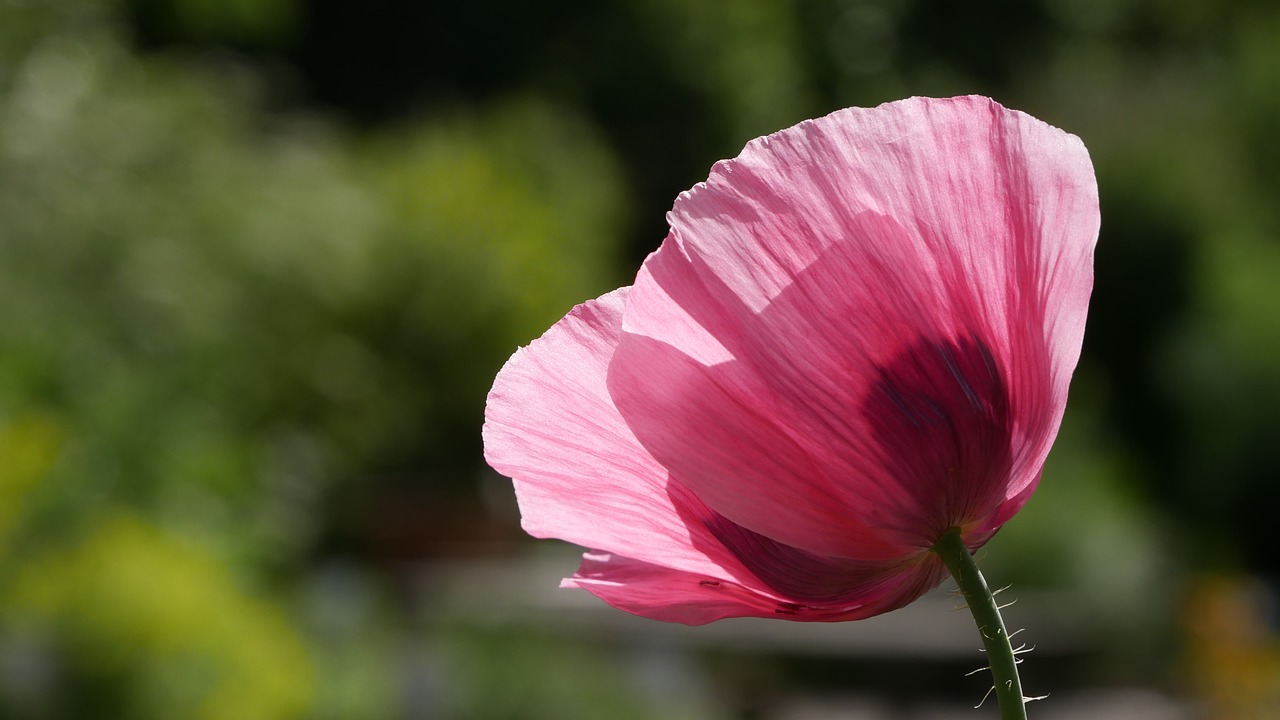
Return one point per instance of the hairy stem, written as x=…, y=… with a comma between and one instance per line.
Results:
x=982, y=603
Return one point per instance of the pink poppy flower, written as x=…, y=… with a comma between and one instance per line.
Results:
x=857, y=336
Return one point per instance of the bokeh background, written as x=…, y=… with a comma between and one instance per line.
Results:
x=260, y=260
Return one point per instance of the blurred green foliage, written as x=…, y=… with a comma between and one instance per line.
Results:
x=151, y=627
x=259, y=262
x=258, y=22
x=212, y=318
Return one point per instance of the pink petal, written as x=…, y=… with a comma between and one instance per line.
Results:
x=579, y=473
x=581, y=476
x=861, y=331
x=660, y=593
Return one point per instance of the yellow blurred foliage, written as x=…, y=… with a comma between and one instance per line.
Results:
x=135, y=605
x=29, y=446
x=1231, y=654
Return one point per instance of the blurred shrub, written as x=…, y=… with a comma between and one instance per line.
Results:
x=1177, y=104
x=250, y=22
x=746, y=60
x=29, y=446
x=150, y=627
x=213, y=322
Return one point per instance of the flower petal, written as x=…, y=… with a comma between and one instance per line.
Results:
x=581, y=476
x=660, y=593
x=579, y=473
x=861, y=313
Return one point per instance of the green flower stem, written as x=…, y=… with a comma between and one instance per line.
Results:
x=982, y=603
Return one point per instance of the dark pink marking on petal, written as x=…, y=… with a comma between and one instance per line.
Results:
x=661, y=593
x=799, y=435
x=940, y=413
x=810, y=580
